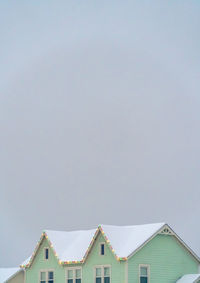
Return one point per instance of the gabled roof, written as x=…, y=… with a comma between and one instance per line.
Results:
x=68, y=246
x=6, y=273
x=123, y=241
x=189, y=278
x=127, y=239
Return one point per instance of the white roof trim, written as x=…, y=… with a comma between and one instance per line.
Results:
x=189, y=278
x=184, y=244
x=166, y=226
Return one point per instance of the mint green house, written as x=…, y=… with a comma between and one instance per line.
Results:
x=151, y=253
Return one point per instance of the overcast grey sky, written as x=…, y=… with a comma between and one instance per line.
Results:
x=99, y=118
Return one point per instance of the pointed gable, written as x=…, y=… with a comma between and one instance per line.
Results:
x=71, y=246
x=126, y=239
x=123, y=241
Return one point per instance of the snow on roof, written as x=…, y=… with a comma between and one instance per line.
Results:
x=74, y=245
x=125, y=240
x=70, y=245
x=189, y=278
x=6, y=273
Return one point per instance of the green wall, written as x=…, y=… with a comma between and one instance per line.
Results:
x=167, y=258
x=94, y=258
x=32, y=273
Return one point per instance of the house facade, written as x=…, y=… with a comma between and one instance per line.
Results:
x=151, y=253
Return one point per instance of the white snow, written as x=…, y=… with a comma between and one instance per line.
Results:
x=189, y=278
x=6, y=273
x=72, y=246
x=127, y=239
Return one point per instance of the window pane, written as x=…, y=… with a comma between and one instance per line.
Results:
x=50, y=275
x=78, y=280
x=70, y=274
x=143, y=280
x=43, y=276
x=98, y=280
x=102, y=249
x=106, y=271
x=70, y=281
x=143, y=271
x=78, y=273
x=106, y=279
x=98, y=272
x=46, y=253
x=50, y=281
x=42, y=281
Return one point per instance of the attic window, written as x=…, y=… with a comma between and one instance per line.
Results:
x=46, y=253
x=102, y=249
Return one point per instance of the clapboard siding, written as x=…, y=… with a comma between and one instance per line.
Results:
x=39, y=263
x=94, y=258
x=167, y=258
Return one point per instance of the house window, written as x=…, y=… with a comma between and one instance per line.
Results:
x=74, y=275
x=46, y=277
x=144, y=274
x=78, y=275
x=46, y=253
x=102, y=274
x=42, y=277
x=102, y=249
x=50, y=277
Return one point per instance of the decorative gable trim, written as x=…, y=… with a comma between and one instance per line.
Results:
x=167, y=230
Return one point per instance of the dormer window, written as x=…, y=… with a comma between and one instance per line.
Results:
x=102, y=249
x=46, y=253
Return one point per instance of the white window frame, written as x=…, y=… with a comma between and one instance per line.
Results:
x=102, y=272
x=100, y=244
x=74, y=268
x=46, y=271
x=148, y=272
x=46, y=248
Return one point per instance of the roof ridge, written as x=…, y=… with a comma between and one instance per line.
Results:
x=68, y=231
x=101, y=225
x=134, y=225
